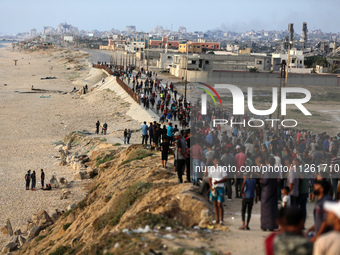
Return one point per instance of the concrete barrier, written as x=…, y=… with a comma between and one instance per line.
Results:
x=242, y=78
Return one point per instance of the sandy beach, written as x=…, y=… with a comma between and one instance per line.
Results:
x=29, y=124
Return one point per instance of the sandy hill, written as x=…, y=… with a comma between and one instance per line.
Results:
x=131, y=193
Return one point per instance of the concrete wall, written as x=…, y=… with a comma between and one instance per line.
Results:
x=260, y=78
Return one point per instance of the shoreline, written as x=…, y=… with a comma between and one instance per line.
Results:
x=31, y=122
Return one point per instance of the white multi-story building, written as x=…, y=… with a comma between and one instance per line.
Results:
x=135, y=46
x=232, y=47
x=296, y=59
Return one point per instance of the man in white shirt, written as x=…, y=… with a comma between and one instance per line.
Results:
x=250, y=147
x=217, y=178
x=329, y=243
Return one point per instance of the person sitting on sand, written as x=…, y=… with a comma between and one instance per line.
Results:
x=48, y=187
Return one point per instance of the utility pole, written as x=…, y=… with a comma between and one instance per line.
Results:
x=186, y=76
x=288, y=62
x=282, y=82
x=147, y=59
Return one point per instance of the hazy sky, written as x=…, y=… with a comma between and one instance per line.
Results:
x=239, y=16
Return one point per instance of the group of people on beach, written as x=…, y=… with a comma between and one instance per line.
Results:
x=127, y=136
x=31, y=179
x=104, y=128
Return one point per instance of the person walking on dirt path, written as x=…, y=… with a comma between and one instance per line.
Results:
x=249, y=193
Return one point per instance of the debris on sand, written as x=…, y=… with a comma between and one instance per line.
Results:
x=48, y=78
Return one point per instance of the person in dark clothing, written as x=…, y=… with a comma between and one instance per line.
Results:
x=275, y=145
x=156, y=136
x=321, y=189
x=97, y=127
x=248, y=193
x=125, y=136
x=165, y=151
x=128, y=136
x=179, y=153
x=42, y=177
x=104, y=128
x=269, y=199
x=28, y=179
x=33, y=178
x=164, y=131
x=187, y=155
x=150, y=133
x=229, y=160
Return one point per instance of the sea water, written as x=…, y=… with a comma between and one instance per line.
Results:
x=4, y=43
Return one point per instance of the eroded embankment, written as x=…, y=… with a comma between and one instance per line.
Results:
x=130, y=191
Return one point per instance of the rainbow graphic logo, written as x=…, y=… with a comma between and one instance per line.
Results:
x=204, y=97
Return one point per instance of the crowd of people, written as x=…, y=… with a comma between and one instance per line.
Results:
x=312, y=165
x=312, y=175
x=308, y=169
